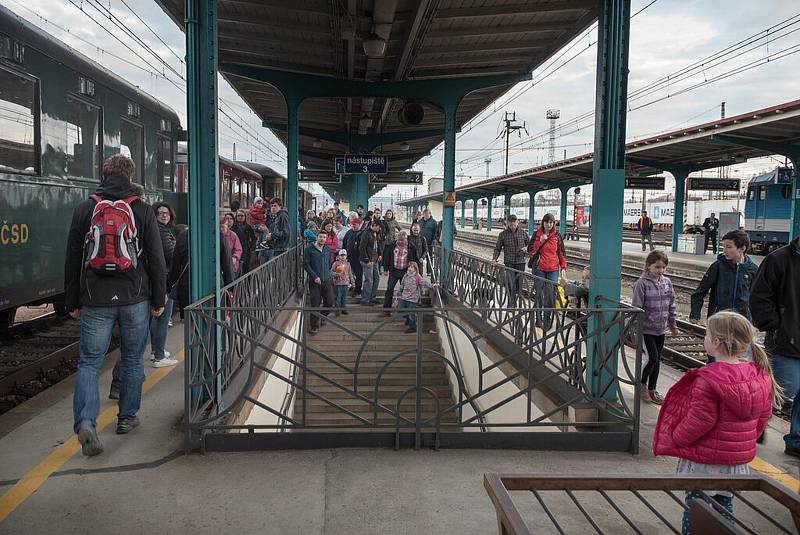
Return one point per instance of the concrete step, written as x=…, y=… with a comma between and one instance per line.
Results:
x=384, y=418
x=373, y=368
x=386, y=391
x=348, y=357
x=326, y=337
x=389, y=378
x=363, y=408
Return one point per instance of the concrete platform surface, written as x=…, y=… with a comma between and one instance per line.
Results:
x=143, y=483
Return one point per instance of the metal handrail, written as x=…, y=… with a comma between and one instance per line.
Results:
x=456, y=356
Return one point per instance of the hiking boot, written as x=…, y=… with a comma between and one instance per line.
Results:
x=90, y=442
x=762, y=438
x=126, y=426
x=387, y=313
x=411, y=329
x=313, y=331
x=794, y=452
x=655, y=397
x=113, y=393
x=163, y=363
x=345, y=312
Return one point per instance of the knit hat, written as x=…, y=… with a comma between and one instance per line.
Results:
x=357, y=221
x=257, y=200
x=342, y=252
x=312, y=225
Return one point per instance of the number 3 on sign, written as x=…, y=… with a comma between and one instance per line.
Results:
x=366, y=169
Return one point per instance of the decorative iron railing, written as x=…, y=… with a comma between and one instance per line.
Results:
x=639, y=504
x=516, y=372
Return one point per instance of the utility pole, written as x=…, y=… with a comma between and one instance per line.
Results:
x=487, y=161
x=234, y=151
x=552, y=116
x=511, y=123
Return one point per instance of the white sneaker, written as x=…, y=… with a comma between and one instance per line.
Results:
x=163, y=363
x=167, y=355
x=169, y=324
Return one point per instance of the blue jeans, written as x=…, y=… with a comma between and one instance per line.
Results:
x=341, y=296
x=545, y=295
x=514, y=282
x=158, y=330
x=96, y=326
x=725, y=501
x=411, y=319
x=787, y=373
x=372, y=277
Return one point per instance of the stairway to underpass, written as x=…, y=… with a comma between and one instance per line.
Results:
x=382, y=339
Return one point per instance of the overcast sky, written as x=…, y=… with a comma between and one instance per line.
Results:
x=666, y=37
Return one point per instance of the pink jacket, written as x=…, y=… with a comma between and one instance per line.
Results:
x=236, y=248
x=714, y=414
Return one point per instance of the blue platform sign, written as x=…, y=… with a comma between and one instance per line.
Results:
x=338, y=164
x=374, y=164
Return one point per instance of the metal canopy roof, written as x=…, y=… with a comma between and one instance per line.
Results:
x=426, y=39
x=688, y=150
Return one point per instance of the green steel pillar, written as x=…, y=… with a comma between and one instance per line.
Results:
x=292, y=139
x=562, y=220
x=449, y=186
x=680, y=206
x=608, y=187
x=463, y=212
x=201, y=112
x=490, y=201
x=475, y=213
x=506, y=205
x=532, y=212
x=360, y=192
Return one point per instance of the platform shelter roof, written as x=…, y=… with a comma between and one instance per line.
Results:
x=425, y=40
x=704, y=146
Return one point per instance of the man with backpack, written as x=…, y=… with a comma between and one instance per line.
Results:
x=645, y=228
x=114, y=273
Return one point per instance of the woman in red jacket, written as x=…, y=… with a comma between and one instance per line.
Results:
x=712, y=416
x=546, y=248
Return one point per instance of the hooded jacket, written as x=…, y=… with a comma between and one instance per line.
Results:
x=657, y=298
x=427, y=229
x=256, y=215
x=774, y=300
x=179, y=271
x=551, y=250
x=369, y=246
x=729, y=283
x=421, y=244
x=281, y=230
x=147, y=280
x=714, y=414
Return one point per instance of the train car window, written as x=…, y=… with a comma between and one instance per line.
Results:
x=83, y=142
x=164, y=164
x=19, y=123
x=786, y=191
x=751, y=194
x=762, y=193
x=225, y=190
x=131, y=143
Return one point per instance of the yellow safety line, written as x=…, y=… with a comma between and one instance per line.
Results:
x=31, y=481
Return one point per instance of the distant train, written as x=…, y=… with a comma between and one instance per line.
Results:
x=768, y=209
x=662, y=212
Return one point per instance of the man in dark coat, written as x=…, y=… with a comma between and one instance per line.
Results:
x=645, y=228
x=128, y=297
x=775, y=305
x=710, y=227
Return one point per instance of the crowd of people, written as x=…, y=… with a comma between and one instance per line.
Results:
x=347, y=254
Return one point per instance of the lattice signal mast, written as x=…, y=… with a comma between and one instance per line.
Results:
x=552, y=116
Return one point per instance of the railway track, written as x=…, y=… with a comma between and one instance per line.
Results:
x=35, y=355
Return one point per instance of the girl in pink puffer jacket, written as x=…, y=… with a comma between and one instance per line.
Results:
x=712, y=417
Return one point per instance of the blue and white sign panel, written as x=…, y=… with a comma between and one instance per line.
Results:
x=373, y=164
x=338, y=165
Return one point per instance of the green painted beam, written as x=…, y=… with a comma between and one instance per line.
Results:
x=562, y=221
x=680, y=207
x=532, y=212
x=442, y=91
x=608, y=189
x=292, y=146
x=359, y=142
x=475, y=213
x=489, y=202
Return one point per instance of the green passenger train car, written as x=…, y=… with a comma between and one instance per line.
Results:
x=61, y=115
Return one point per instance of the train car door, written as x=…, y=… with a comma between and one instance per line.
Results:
x=760, y=202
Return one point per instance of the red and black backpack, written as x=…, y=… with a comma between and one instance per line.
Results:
x=112, y=243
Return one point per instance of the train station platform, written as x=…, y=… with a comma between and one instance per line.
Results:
x=631, y=251
x=145, y=482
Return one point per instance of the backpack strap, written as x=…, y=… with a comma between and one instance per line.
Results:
x=95, y=197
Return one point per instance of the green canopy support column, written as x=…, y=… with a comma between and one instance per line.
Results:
x=475, y=213
x=463, y=212
x=680, y=206
x=360, y=192
x=532, y=212
x=292, y=140
x=449, y=182
x=608, y=189
x=201, y=114
x=506, y=204
x=562, y=219
x=489, y=202
x=794, y=218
